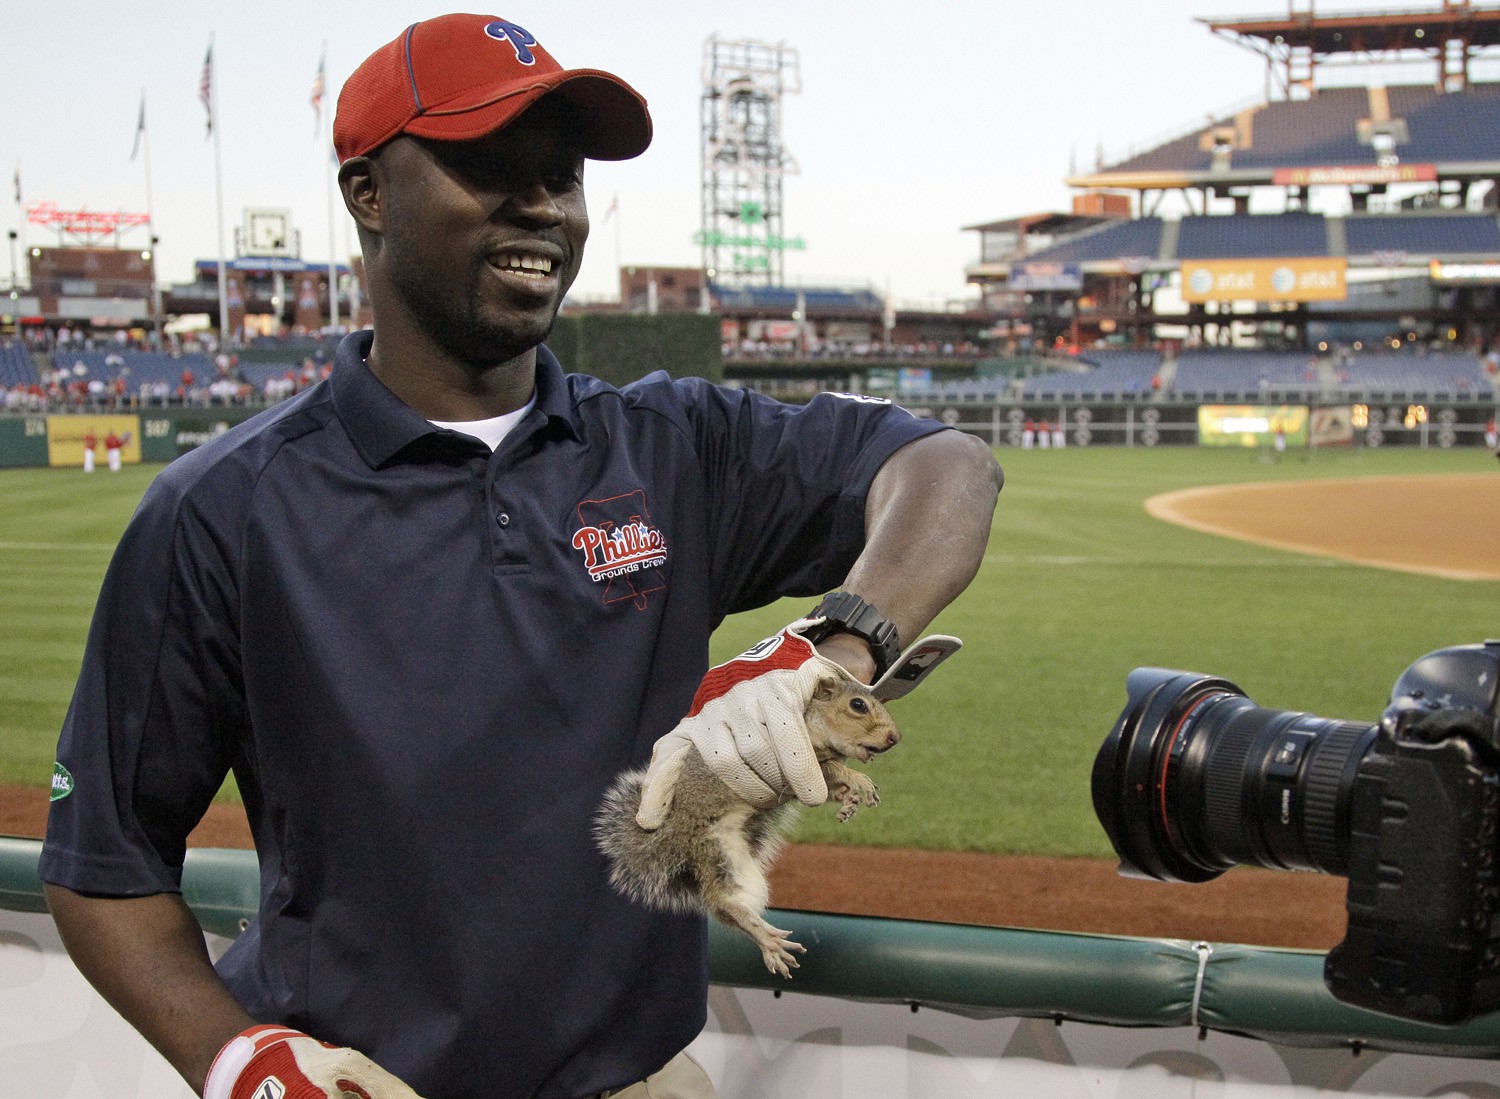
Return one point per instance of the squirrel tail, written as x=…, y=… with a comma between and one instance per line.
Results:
x=650, y=868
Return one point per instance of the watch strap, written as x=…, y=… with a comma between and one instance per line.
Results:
x=845, y=612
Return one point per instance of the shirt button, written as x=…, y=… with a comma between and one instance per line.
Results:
x=503, y=519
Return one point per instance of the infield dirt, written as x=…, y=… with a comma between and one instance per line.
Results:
x=1333, y=518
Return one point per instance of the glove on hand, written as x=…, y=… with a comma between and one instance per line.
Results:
x=275, y=1062
x=747, y=723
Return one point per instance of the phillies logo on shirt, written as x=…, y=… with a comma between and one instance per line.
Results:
x=621, y=547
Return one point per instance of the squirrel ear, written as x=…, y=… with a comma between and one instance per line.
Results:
x=826, y=686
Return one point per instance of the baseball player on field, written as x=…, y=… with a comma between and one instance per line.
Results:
x=426, y=611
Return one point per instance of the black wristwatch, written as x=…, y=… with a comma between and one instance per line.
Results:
x=844, y=612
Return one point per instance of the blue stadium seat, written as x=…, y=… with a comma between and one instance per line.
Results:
x=1213, y=373
x=1422, y=234
x=1140, y=237
x=16, y=367
x=1252, y=236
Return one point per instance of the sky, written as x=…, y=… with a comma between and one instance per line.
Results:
x=913, y=122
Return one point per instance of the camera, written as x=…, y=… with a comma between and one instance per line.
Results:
x=1195, y=778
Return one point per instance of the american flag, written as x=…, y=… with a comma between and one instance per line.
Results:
x=206, y=87
x=316, y=99
x=140, y=126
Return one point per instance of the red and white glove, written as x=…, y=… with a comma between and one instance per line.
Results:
x=276, y=1062
x=747, y=723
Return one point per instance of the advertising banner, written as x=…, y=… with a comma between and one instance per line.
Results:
x=1045, y=276
x=1344, y=175
x=1479, y=271
x=66, y=436
x=1276, y=426
x=1331, y=426
x=1318, y=278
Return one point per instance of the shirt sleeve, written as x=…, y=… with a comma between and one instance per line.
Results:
x=787, y=485
x=157, y=711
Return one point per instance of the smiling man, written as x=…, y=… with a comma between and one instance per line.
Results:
x=427, y=611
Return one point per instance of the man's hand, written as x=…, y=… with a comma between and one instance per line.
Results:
x=747, y=723
x=275, y=1062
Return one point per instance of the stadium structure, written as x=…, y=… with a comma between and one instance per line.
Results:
x=1322, y=265
x=1334, y=243
x=1338, y=210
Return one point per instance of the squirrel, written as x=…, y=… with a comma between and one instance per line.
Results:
x=711, y=853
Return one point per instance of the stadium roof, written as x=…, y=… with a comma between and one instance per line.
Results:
x=1050, y=223
x=1383, y=31
x=1374, y=135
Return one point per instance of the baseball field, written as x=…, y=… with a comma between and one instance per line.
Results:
x=1310, y=581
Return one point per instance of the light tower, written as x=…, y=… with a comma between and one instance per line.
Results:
x=744, y=161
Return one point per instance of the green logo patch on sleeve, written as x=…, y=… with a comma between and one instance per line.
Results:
x=62, y=782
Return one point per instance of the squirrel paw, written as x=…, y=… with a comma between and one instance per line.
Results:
x=776, y=949
x=857, y=791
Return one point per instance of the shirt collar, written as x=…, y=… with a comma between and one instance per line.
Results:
x=381, y=424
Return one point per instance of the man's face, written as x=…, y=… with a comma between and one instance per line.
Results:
x=481, y=239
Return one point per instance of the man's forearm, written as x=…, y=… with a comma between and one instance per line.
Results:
x=146, y=956
x=927, y=522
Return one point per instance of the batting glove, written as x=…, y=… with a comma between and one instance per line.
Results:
x=747, y=723
x=276, y=1062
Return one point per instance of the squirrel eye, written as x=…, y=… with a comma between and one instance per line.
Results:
x=859, y=705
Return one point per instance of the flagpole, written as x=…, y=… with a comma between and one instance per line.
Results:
x=21, y=232
x=225, y=336
x=615, y=206
x=333, y=251
x=145, y=132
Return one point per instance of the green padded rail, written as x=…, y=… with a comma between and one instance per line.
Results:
x=979, y=972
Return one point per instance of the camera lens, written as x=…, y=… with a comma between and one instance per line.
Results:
x=1195, y=778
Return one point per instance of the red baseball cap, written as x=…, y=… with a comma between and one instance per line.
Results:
x=460, y=77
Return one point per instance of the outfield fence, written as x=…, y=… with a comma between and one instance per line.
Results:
x=1414, y=422
x=881, y=1009
x=152, y=435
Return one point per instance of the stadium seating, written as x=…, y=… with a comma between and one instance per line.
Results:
x=1440, y=127
x=1415, y=374
x=1252, y=236
x=1140, y=237
x=1452, y=126
x=1422, y=234
x=1214, y=374
x=784, y=298
x=145, y=367
x=16, y=367
x=1123, y=373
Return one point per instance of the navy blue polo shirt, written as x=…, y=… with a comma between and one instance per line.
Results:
x=425, y=663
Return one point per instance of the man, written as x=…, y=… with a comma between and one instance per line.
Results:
x=114, y=444
x=429, y=608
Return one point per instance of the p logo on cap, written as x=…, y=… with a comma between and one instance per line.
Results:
x=518, y=37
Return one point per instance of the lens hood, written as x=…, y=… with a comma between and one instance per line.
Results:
x=1129, y=776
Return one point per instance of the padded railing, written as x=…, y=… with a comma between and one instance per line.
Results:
x=978, y=972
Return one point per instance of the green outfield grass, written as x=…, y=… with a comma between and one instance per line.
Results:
x=1079, y=586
